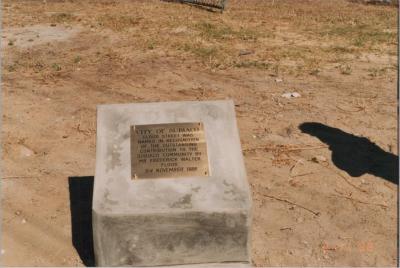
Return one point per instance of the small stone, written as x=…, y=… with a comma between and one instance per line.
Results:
x=23, y=221
x=278, y=80
x=179, y=30
x=319, y=159
x=18, y=212
x=244, y=52
x=25, y=151
x=2, y=251
x=290, y=95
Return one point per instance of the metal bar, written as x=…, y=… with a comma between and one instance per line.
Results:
x=220, y=4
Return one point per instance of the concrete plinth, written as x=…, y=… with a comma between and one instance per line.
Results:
x=170, y=221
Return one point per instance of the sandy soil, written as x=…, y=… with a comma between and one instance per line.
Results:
x=322, y=166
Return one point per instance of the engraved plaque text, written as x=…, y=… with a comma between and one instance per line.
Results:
x=168, y=151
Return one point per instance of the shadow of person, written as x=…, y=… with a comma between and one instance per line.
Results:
x=80, y=196
x=353, y=154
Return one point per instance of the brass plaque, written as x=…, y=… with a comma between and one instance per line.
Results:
x=168, y=151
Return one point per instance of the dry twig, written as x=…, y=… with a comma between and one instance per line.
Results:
x=300, y=175
x=291, y=203
x=359, y=201
x=346, y=180
x=18, y=177
x=347, y=111
x=284, y=148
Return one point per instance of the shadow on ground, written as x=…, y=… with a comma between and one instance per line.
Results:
x=353, y=154
x=80, y=196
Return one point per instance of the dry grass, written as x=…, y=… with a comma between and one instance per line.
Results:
x=298, y=37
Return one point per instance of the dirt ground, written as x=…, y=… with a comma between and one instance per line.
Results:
x=322, y=165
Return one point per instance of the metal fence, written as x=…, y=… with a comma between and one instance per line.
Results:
x=219, y=4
